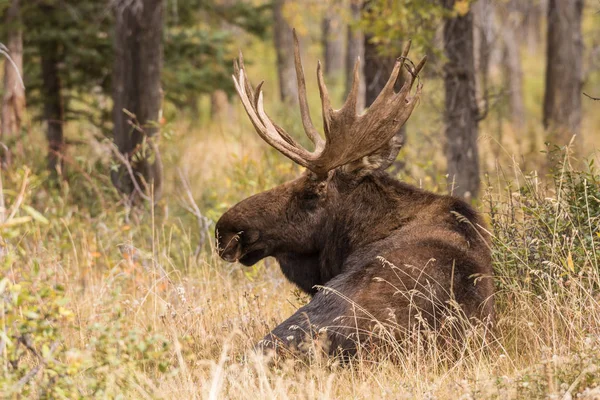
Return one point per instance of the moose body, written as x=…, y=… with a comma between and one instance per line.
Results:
x=372, y=251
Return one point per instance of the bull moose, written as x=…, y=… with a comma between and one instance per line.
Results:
x=368, y=248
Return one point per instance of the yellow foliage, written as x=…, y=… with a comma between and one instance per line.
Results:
x=462, y=7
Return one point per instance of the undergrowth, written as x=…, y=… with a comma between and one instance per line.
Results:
x=98, y=299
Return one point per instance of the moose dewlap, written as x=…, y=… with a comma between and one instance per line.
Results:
x=385, y=253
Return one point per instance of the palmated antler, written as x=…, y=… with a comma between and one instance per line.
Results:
x=348, y=136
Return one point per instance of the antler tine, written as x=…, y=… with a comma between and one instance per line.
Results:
x=253, y=95
x=348, y=137
x=238, y=65
x=263, y=124
x=405, y=51
x=389, y=86
x=352, y=99
x=326, y=109
x=309, y=128
x=419, y=67
x=414, y=74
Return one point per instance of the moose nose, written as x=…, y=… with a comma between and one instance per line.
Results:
x=229, y=247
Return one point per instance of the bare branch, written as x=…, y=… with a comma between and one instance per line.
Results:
x=127, y=165
x=191, y=206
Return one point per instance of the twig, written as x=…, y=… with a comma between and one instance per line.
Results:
x=20, y=197
x=84, y=174
x=127, y=164
x=4, y=51
x=192, y=207
x=31, y=374
x=591, y=97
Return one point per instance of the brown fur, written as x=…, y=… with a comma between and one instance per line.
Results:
x=371, y=240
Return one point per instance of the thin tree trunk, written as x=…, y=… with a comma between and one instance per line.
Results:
x=220, y=106
x=220, y=109
x=284, y=46
x=13, y=101
x=333, y=42
x=484, y=38
x=355, y=48
x=511, y=19
x=461, y=112
x=53, y=103
x=564, y=72
x=137, y=93
x=514, y=76
x=529, y=28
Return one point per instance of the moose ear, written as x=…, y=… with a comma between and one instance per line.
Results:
x=381, y=159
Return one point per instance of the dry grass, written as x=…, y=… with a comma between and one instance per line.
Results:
x=130, y=277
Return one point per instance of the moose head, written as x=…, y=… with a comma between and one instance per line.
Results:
x=329, y=226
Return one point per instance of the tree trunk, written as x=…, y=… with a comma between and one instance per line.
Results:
x=564, y=72
x=13, y=101
x=514, y=75
x=220, y=106
x=53, y=103
x=484, y=38
x=355, y=48
x=220, y=109
x=333, y=42
x=461, y=113
x=511, y=19
x=529, y=28
x=137, y=94
x=284, y=46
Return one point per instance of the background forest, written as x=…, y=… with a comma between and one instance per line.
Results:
x=122, y=143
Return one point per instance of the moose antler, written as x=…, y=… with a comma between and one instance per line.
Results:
x=348, y=136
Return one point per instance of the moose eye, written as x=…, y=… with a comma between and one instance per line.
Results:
x=249, y=236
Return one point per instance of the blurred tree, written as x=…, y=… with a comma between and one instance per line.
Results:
x=13, y=99
x=220, y=108
x=199, y=46
x=564, y=72
x=53, y=114
x=393, y=22
x=511, y=21
x=137, y=94
x=333, y=39
x=355, y=48
x=461, y=114
x=284, y=47
x=484, y=37
x=532, y=14
x=67, y=55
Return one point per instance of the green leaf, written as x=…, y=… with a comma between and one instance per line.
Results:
x=36, y=215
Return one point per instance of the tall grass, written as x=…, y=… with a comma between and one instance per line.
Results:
x=101, y=300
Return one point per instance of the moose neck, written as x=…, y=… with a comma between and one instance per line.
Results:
x=362, y=212
x=368, y=211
